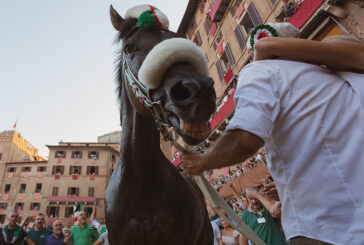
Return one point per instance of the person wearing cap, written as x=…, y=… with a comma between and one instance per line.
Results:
x=310, y=121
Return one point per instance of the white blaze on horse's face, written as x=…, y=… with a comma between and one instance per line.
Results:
x=167, y=53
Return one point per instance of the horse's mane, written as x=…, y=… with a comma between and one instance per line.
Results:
x=125, y=28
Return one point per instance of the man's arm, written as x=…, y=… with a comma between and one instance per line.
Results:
x=231, y=148
x=269, y=204
x=337, y=55
x=29, y=241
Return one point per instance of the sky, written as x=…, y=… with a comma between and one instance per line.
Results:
x=56, y=67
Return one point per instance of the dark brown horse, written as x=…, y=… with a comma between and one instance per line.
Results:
x=148, y=201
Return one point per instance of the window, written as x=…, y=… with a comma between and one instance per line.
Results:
x=26, y=169
x=42, y=169
x=224, y=62
x=92, y=170
x=219, y=71
x=88, y=212
x=91, y=191
x=73, y=191
x=7, y=188
x=58, y=170
x=247, y=24
x=60, y=154
x=52, y=212
x=55, y=191
x=22, y=188
x=35, y=206
x=251, y=19
x=38, y=187
x=1, y=155
x=3, y=205
x=68, y=212
x=93, y=155
x=198, y=40
x=227, y=60
x=113, y=158
x=77, y=154
x=19, y=206
x=75, y=170
x=12, y=170
x=239, y=36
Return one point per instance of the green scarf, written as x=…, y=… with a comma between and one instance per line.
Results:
x=16, y=233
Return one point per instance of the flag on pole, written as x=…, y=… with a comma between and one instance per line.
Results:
x=14, y=126
x=77, y=207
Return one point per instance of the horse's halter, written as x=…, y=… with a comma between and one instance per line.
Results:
x=142, y=95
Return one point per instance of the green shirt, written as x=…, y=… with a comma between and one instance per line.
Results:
x=39, y=236
x=268, y=231
x=102, y=229
x=85, y=235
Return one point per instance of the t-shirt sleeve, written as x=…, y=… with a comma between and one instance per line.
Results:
x=256, y=100
x=236, y=233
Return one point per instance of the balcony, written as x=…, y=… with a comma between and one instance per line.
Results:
x=228, y=76
x=218, y=10
x=223, y=112
x=71, y=199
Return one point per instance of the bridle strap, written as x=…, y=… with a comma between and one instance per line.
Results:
x=141, y=101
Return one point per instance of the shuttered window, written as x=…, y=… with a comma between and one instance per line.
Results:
x=91, y=191
x=254, y=16
x=207, y=27
x=229, y=55
x=55, y=191
x=219, y=70
x=198, y=39
x=240, y=38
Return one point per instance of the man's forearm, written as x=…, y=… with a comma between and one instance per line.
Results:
x=231, y=148
x=344, y=56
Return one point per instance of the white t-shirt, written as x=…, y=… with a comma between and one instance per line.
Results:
x=312, y=124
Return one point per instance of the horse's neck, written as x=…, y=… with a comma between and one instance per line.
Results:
x=140, y=141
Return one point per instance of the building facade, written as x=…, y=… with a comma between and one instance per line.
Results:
x=74, y=173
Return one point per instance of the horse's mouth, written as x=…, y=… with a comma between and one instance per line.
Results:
x=192, y=133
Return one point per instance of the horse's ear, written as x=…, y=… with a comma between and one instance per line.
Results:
x=116, y=19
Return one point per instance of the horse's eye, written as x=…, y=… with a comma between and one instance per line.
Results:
x=129, y=49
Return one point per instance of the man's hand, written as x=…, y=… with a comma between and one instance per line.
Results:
x=193, y=162
x=271, y=191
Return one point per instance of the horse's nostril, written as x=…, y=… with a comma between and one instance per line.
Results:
x=180, y=92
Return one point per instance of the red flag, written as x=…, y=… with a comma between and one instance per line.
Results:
x=14, y=126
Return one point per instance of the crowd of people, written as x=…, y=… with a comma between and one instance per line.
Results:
x=236, y=171
x=81, y=233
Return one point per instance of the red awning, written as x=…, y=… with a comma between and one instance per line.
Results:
x=70, y=199
x=307, y=8
x=223, y=112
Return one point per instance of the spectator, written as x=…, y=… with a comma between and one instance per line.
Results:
x=13, y=234
x=57, y=238
x=103, y=239
x=229, y=235
x=83, y=233
x=38, y=233
x=100, y=226
x=262, y=216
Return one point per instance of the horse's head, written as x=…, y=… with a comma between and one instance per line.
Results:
x=172, y=71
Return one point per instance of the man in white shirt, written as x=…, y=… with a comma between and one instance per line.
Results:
x=310, y=122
